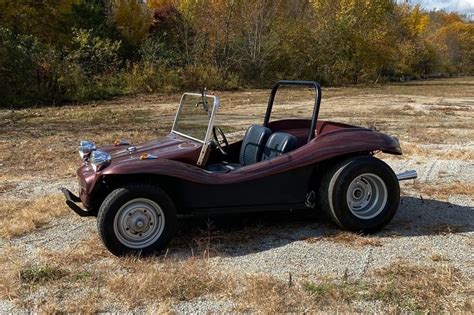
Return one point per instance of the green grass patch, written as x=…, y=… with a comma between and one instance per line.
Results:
x=41, y=274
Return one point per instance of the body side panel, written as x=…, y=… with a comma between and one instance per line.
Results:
x=326, y=146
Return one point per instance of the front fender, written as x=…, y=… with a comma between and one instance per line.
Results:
x=158, y=166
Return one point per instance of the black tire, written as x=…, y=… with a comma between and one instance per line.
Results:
x=108, y=219
x=334, y=195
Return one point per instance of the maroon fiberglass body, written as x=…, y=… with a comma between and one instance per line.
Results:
x=279, y=183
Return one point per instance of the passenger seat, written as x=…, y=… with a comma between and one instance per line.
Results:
x=279, y=143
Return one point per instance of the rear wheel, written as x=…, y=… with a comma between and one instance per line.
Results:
x=137, y=219
x=360, y=194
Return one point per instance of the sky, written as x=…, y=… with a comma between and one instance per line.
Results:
x=461, y=6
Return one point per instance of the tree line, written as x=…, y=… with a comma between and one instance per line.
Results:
x=76, y=50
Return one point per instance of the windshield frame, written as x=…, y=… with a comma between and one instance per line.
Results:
x=205, y=143
x=210, y=123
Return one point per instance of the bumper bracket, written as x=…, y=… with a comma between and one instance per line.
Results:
x=71, y=200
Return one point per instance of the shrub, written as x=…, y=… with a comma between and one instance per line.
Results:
x=91, y=69
x=154, y=51
x=93, y=54
x=26, y=70
x=197, y=76
x=78, y=87
x=141, y=78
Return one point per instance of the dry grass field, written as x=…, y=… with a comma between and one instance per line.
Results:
x=52, y=260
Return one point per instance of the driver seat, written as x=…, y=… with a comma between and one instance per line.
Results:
x=250, y=152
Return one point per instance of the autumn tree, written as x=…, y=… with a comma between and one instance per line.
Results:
x=47, y=20
x=132, y=19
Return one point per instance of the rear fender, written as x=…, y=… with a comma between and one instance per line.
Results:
x=344, y=141
x=333, y=147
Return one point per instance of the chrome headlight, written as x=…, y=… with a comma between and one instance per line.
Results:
x=86, y=147
x=99, y=160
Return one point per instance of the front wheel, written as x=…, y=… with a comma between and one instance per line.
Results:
x=136, y=220
x=360, y=194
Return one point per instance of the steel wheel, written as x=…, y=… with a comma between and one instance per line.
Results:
x=139, y=223
x=366, y=196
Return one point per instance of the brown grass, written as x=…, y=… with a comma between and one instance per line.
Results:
x=437, y=257
x=45, y=287
x=63, y=291
x=348, y=238
x=152, y=281
x=265, y=294
x=18, y=217
x=410, y=149
x=44, y=140
x=89, y=285
x=400, y=286
x=443, y=191
x=89, y=304
x=418, y=288
x=82, y=253
x=268, y=295
x=10, y=267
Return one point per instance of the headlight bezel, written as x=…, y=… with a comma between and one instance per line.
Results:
x=85, y=148
x=99, y=160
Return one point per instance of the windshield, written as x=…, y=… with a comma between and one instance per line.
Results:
x=193, y=117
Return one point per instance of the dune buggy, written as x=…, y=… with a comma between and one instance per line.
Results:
x=138, y=190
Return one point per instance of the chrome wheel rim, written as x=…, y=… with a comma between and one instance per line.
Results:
x=139, y=223
x=366, y=196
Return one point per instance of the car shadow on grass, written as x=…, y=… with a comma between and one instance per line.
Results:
x=241, y=234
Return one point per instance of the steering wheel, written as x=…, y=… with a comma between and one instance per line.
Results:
x=218, y=130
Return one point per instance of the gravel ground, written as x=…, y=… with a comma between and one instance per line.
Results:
x=412, y=236
x=204, y=305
